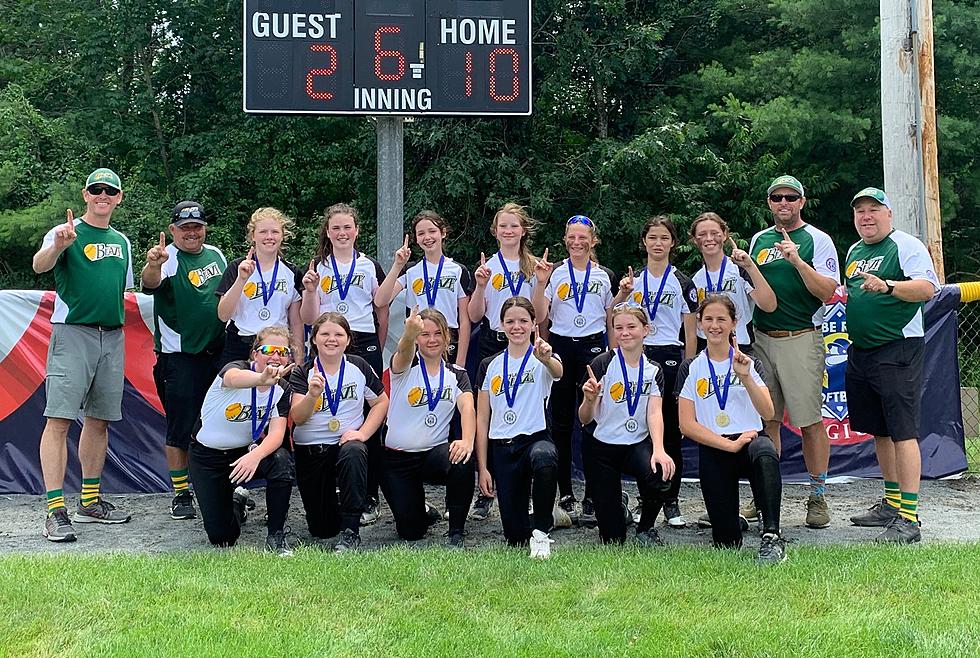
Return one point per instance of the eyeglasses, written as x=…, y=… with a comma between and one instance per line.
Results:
x=776, y=198
x=190, y=213
x=580, y=219
x=273, y=350
x=96, y=190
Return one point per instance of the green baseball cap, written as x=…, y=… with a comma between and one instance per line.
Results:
x=105, y=177
x=786, y=181
x=873, y=193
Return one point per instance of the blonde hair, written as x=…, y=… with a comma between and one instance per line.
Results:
x=529, y=224
x=595, y=236
x=709, y=217
x=272, y=330
x=635, y=311
x=261, y=214
x=435, y=316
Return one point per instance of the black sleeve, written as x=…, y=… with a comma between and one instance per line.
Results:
x=379, y=272
x=599, y=366
x=745, y=275
x=613, y=287
x=233, y=365
x=228, y=278
x=660, y=382
x=481, y=372
x=466, y=280
x=297, y=276
x=284, y=402
x=371, y=379
x=682, y=372
x=298, y=379
x=462, y=379
x=689, y=290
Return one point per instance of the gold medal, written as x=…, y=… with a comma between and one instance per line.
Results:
x=722, y=419
x=334, y=425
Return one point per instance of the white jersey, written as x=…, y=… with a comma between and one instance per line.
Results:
x=252, y=312
x=226, y=415
x=498, y=291
x=358, y=304
x=360, y=385
x=566, y=320
x=527, y=416
x=412, y=427
x=614, y=423
x=737, y=286
x=694, y=382
x=454, y=284
x=677, y=299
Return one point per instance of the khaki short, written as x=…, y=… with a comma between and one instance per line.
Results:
x=84, y=371
x=793, y=369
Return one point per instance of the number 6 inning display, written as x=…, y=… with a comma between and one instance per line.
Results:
x=399, y=57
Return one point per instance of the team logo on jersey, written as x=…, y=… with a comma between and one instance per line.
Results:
x=417, y=397
x=769, y=255
x=728, y=285
x=99, y=250
x=328, y=283
x=499, y=282
x=445, y=283
x=349, y=393
x=495, y=382
x=618, y=391
x=704, y=391
x=863, y=266
x=253, y=290
x=666, y=299
x=565, y=289
x=239, y=413
x=202, y=275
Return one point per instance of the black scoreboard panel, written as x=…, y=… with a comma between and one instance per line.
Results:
x=403, y=57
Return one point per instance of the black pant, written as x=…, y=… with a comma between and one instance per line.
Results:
x=210, y=470
x=524, y=468
x=720, y=472
x=491, y=342
x=320, y=469
x=237, y=347
x=669, y=358
x=607, y=463
x=367, y=347
x=182, y=381
x=566, y=396
x=404, y=476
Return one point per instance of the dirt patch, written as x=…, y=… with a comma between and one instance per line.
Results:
x=949, y=513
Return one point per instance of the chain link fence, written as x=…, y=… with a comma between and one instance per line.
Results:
x=969, y=357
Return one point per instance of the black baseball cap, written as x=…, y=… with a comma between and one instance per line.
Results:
x=188, y=212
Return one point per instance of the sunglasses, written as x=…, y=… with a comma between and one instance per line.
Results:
x=96, y=190
x=190, y=213
x=622, y=306
x=273, y=350
x=580, y=219
x=776, y=198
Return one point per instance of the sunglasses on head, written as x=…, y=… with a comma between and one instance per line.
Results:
x=622, y=306
x=190, y=213
x=273, y=350
x=580, y=219
x=96, y=190
x=776, y=198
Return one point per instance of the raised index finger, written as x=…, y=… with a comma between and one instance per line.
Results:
x=588, y=369
x=405, y=244
x=785, y=235
x=163, y=239
x=483, y=260
x=313, y=265
x=544, y=257
x=70, y=216
x=251, y=252
x=631, y=272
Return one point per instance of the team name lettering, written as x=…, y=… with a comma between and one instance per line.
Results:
x=99, y=250
x=330, y=283
x=201, y=276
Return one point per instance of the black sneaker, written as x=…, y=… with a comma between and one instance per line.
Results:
x=239, y=502
x=101, y=511
x=348, y=541
x=249, y=501
x=481, y=508
x=881, y=514
x=57, y=526
x=672, y=514
x=454, y=539
x=587, y=518
x=432, y=515
x=277, y=543
x=372, y=512
x=649, y=538
x=627, y=514
x=900, y=531
x=772, y=549
x=182, y=506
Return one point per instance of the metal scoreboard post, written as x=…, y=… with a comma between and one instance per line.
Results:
x=387, y=57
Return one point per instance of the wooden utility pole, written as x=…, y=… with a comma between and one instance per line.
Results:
x=930, y=151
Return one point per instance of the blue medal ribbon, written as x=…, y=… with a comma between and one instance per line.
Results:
x=511, y=394
x=343, y=287
x=632, y=400
x=514, y=291
x=721, y=276
x=431, y=290
x=267, y=291
x=332, y=397
x=579, y=298
x=722, y=394
x=652, y=310
x=433, y=400
x=259, y=427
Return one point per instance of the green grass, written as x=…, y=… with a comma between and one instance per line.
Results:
x=836, y=601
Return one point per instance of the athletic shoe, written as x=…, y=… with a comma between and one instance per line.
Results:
x=348, y=541
x=649, y=538
x=749, y=511
x=627, y=514
x=772, y=550
x=57, y=527
x=249, y=501
x=672, y=514
x=277, y=543
x=239, y=501
x=817, y=512
x=372, y=512
x=705, y=522
x=560, y=518
x=432, y=515
x=571, y=507
x=481, y=508
x=638, y=510
x=454, y=539
x=541, y=545
x=881, y=514
x=587, y=518
x=900, y=531
x=182, y=506
x=101, y=511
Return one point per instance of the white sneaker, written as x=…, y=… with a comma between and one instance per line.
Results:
x=541, y=545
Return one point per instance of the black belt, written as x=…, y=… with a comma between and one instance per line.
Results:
x=581, y=339
x=99, y=327
x=313, y=448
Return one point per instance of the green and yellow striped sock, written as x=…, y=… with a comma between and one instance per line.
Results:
x=910, y=506
x=90, y=491
x=56, y=499
x=179, y=480
x=893, y=495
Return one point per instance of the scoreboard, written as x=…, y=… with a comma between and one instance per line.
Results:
x=397, y=57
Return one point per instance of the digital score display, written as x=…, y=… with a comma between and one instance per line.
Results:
x=399, y=57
